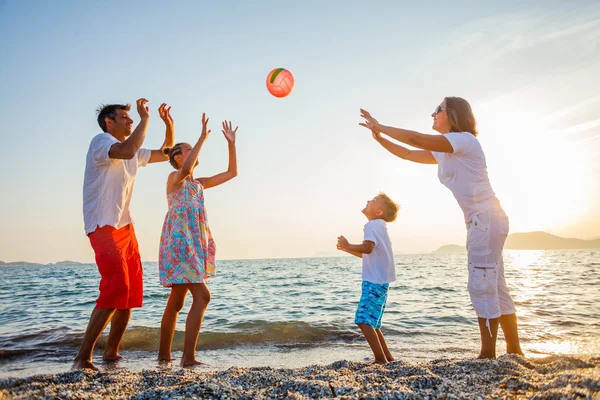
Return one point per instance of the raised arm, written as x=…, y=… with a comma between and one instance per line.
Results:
x=231, y=172
x=192, y=159
x=159, y=155
x=437, y=143
x=126, y=149
x=366, y=247
x=418, y=156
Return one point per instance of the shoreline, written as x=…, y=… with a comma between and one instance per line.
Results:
x=509, y=376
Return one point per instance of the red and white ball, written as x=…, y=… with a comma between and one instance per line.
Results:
x=280, y=82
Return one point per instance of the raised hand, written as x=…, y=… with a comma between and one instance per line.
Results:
x=165, y=114
x=342, y=243
x=370, y=123
x=142, y=109
x=228, y=132
x=205, y=131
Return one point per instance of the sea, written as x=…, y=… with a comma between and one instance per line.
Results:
x=297, y=312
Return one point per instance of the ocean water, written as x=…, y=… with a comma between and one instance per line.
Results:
x=295, y=312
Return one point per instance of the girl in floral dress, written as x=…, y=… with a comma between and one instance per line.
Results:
x=187, y=251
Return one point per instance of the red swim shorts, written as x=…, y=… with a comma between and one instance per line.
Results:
x=120, y=266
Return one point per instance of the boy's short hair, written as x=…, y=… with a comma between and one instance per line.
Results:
x=389, y=208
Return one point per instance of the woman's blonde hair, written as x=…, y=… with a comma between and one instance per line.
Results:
x=460, y=115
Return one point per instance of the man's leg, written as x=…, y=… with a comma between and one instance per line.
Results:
x=118, y=325
x=98, y=321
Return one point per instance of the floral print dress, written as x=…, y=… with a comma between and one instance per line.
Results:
x=187, y=249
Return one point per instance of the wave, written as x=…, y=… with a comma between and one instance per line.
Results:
x=251, y=333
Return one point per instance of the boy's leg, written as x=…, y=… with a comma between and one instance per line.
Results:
x=193, y=323
x=98, y=321
x=373, y=340
x=169, y=320
x=118, y=324
x=386, y=351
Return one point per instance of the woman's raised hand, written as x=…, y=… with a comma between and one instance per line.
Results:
x=228, y=132
x=205, y=130
x=370, y=123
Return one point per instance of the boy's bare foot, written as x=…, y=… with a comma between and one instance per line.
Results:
x=193, y=363
x=112, y=357
x=84, y=364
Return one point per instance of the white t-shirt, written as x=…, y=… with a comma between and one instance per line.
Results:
x=108, y=184
x=464, y=172
x=378, y=266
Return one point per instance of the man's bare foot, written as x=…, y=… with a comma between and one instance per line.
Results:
x=112, y=357
x=193, y=363
x=84, y=364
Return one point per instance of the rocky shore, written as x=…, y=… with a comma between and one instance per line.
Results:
x=508, y=377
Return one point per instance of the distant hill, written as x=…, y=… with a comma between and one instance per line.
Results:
x=546, y=241
x=451, y=249
x=533, y=241
x=10, y=264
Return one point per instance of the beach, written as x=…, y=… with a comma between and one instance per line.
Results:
x=508, y=377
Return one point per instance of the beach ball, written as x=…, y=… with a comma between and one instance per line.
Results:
x=280, y=82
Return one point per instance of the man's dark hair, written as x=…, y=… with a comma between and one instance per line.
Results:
x=110, y=111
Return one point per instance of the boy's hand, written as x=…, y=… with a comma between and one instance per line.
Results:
x=165, y=114
x=342, y=243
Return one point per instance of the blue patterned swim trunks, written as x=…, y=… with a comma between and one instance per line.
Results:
x=372, y=304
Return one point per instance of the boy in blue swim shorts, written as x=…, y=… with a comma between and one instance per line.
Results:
x=377, y=272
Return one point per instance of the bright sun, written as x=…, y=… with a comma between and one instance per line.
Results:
x=539, y=177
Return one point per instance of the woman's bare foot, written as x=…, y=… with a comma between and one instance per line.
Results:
x=112, y=357
x=84, y=364
x=193, y=363
x=167, y=358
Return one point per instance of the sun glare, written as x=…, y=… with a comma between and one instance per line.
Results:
x=538, y=176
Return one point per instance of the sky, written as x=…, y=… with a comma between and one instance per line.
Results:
x=306, y=169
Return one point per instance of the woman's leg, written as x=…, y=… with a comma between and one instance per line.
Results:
x=488, y=337
x=193, y=323
x=169, y=320
x=511, y=334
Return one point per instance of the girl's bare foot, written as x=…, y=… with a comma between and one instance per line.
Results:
x=84, y=364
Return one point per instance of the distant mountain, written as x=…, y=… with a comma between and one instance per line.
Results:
x=451, y=249
x=533, y=241
x=546, y=241
x=10, y=264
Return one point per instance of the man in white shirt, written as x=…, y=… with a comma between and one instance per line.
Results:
x=378, y=270
x=111, y=167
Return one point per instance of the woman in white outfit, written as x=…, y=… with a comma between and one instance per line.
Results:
x=462, y=168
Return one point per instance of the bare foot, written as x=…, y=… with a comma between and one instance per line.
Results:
x=486, y=357
x=112, y=357
x=167, y=358
x=193, y=363
x=380, y=362
x=84, y=364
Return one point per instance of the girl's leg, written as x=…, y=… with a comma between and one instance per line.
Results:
x=169, y=320
x=386, y=351
x=193, y=323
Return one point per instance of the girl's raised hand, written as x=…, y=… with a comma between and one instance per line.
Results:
x=165, y=114
x=205, y=130
x=228, y=132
